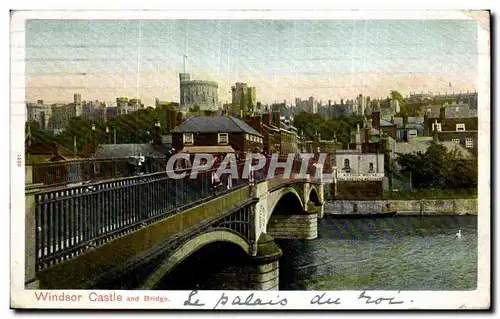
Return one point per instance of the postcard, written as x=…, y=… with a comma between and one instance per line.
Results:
x=277, y=160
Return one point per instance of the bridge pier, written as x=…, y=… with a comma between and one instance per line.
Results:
x=320, y=209
x=260, y=272
x=304, y=226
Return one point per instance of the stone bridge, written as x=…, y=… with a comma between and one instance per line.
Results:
x=125, y=234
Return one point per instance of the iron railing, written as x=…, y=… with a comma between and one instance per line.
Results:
x=70, y=220
x=78, y=171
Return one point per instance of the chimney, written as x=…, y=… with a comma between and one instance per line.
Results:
x=367, y=135
x=442, y=114
x=54, y=149
x=77, y=98
x=255, y=123
x=267, y=118
x=276, y=119
x=426, y=124
x=376, y=119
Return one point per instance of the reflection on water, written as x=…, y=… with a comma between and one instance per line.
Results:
x=396, y=253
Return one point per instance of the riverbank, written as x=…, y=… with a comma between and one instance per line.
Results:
x=420, y=207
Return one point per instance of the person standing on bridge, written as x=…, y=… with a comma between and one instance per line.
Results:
x=216, y=182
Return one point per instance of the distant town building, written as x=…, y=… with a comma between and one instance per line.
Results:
x=126, y=106
x=359, y=105
x=469, y=98
x=310, y=105
x=394, y=106
x=279, y=136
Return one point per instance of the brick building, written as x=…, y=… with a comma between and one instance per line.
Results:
x=228, y=133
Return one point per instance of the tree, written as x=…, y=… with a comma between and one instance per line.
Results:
x=395, y=95
x=82, y=130
x=439, y=168
x=37, y=133
x=339, y=127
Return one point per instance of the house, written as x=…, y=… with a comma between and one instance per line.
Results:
x=455, y=110
x=48, y=162
x=166, y=141
x=420, y=144
x=279, y=136
x=38, y=151
x=408, y=126
x=462, y=131
x=217, y=132
x=123, y=156
x=111, y=151
x=361, y=167
x=359, y=175
x=388, y=128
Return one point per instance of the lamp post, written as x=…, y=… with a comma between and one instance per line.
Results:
x=93, y=134
x=108, y=131
x=107, y=134
x=157, y=132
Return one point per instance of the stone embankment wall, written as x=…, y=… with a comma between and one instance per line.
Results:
x=403, y=207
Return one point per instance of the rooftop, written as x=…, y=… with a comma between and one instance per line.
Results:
x=215, y=124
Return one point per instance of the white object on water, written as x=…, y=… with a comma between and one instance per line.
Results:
x=459, y=234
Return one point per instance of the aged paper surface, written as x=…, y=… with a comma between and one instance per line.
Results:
x=250, y=159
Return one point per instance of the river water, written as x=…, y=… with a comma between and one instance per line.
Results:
x=390, y=253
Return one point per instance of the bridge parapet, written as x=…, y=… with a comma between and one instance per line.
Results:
x=107, y=224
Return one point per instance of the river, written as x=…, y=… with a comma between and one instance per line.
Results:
x=391, y=253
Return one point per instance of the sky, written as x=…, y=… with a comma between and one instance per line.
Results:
x=283, y=59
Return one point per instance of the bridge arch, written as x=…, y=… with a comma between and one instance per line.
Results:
x=313, y=196
x=190, y=247
x=289, y=194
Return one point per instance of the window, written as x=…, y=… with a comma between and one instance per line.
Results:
x=247, y=137
x=436, y=127
x=187, y=138
x=455, y=141
x=460, y=127
x=469, y=142
x=346, y=163
x=371, y=168
x=222, y=138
